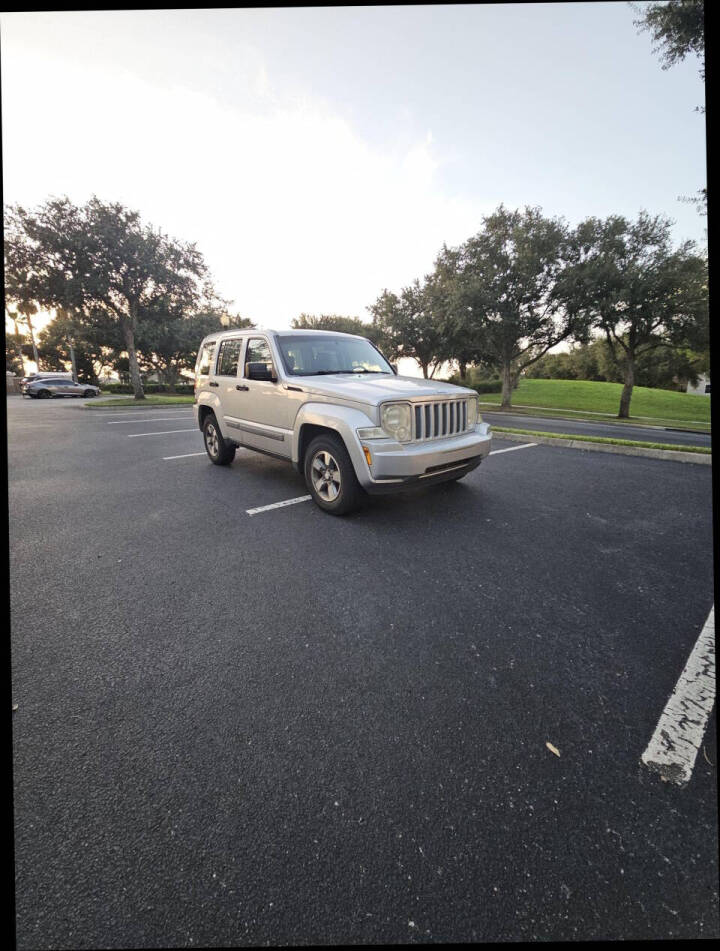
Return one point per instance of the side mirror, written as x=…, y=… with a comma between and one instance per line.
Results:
x=260, y=371
x=393, y=367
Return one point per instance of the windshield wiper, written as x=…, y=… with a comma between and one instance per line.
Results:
x=354, y=370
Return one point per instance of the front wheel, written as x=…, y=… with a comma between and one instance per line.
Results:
x=44, y=395
x=217, y=449
x=88, y=394
x=330, y=476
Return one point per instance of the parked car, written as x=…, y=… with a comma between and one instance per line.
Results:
x=50, y=374
x=47, y=387
x=331, y=404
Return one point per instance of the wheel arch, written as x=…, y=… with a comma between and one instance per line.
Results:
x=317, y=418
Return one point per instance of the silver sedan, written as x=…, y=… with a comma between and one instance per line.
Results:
x=45, y=389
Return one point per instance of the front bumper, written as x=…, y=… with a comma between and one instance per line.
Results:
x=395, y=466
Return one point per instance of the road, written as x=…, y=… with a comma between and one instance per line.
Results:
x=614, y=430
x=290, y=728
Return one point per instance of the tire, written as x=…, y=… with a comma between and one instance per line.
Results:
x=330, y=476
x=219, y=452
x=44, y=395
x=89, y=394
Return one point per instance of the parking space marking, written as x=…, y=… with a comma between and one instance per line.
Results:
x=279, y=505
x=146, y=419
x=306, y=498
x=185, y=455
x=674, y=746
x=525, y=445
x=164, y=432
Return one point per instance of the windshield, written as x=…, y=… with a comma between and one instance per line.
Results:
x=321, y=354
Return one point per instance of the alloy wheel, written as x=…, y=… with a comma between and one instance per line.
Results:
x=211, y=440
x=325, y=474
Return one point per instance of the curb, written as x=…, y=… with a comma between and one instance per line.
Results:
x=701, y=458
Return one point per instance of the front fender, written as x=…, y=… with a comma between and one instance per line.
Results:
x=344, y=421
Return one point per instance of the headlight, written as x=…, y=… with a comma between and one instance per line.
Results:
x=472, y=411
x=395, y=419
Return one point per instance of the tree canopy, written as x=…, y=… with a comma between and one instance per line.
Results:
x=102, y=265
x=505, y=295
x=632, y=286
x=677, y=29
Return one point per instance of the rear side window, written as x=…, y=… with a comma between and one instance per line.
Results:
x=228, y=357
x=205, y=359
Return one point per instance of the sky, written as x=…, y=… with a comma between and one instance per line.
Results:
x=319, y=155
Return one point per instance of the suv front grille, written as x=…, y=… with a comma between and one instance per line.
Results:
x=439, y=418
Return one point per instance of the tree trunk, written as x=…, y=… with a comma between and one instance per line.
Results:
x=424, y=369
x=32, y=341
x=626, y=395
x=132, y=360
x=507, y=386
x=19, y=348
x=463, y=370
x=73, y=364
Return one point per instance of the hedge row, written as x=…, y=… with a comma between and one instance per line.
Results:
x=180, y=388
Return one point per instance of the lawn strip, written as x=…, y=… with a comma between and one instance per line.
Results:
x=607, y=440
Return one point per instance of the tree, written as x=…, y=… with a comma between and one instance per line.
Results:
x=662, y=367
x=631, y=286
x=169, y=344
x=94, y=345
x=345, y=325
x=407, y=327
x=99, y=261
x=14, y=344
x=677, y=29
x=507, y=291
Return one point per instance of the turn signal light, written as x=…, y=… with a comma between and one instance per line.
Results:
x=367, y=455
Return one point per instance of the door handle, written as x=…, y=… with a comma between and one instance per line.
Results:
x=213, y=383
x=241, y=386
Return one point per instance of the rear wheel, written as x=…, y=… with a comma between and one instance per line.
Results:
x=330, y=476
x=220, y=452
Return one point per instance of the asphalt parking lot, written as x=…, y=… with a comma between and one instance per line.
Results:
x=289, y=728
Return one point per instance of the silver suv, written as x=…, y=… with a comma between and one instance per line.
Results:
x=331, y=404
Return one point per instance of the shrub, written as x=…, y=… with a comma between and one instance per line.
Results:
x=487, y=386
x=181, y=389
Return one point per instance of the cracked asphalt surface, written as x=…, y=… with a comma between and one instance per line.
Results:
x=299, y=729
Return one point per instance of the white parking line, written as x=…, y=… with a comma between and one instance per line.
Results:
x=306, y=498
x=164, y=432
x=279, y=505
x=145, y=419
x=185, y=455
x=675, y=743
x=525, y=445
x=139, y=413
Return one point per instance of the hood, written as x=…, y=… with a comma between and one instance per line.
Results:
x=368, y=388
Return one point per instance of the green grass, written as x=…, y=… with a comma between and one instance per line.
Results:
x=604, y=439
x=153, y=400
x=650, y=406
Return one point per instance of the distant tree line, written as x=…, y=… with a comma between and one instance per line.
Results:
x=665, y=368
x=525, y=283
x=128, y=297
x=125, y=295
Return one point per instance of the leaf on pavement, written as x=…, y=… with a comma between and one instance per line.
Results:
x=553, y=749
